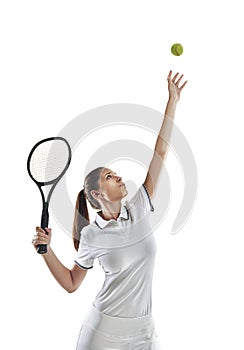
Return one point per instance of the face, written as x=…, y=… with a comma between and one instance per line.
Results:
x=112, y=188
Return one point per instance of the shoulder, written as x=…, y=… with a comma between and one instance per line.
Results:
x=90, y=233
x=88, y=230
x=141, y=199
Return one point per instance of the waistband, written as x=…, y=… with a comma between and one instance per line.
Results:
x=118, y=326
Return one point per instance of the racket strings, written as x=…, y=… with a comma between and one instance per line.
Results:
x=49, y=160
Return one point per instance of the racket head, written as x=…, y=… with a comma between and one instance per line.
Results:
x=48, y=160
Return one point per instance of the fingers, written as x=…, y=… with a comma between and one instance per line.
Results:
x=40, y=230
x=45, y=232
x=37, y=239
x=173, y=80
x=48, y=230
x=176, y=75
x=41, y=237
x=169, y=75
x=177, y=83
x=183, y=85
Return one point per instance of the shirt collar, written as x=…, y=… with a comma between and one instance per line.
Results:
x=101, y=223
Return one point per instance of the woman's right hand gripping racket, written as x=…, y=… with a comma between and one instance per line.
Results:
x=47, y=163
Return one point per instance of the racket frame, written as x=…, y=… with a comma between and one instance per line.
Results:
x=42, y=248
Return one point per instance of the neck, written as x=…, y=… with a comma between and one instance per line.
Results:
x=111, y=211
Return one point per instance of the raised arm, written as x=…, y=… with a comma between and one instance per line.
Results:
x=161, y=146
x=70, y=280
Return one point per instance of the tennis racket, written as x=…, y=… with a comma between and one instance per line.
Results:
x=46, y=164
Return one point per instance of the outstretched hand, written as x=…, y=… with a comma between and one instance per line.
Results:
x=173, y=86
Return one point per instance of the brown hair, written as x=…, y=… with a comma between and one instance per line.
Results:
x=81, y=217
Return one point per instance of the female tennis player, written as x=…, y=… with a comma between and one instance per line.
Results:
x=121, y=239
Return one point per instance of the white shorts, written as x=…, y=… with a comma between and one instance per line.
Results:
x=102, y=332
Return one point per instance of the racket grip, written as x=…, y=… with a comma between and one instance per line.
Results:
x=42, y=248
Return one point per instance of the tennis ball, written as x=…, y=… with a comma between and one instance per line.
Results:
x=177, y=49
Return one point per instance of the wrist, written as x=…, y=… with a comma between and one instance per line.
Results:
x=173, y=100
x=48, y=253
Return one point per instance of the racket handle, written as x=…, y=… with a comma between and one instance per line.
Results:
x=42, y=248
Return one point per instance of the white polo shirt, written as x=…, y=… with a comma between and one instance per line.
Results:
x=126, y=251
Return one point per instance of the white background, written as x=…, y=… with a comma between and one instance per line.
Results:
x=62, y=58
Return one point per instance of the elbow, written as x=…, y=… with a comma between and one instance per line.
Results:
x=68, y=286
x=70, y=290
x=75, y=281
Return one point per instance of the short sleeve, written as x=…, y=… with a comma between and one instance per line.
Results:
x=84, y=258
x=141, y=202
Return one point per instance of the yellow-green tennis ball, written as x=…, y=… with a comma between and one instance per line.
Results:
x=177, y=49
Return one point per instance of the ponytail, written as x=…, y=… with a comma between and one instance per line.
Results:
x=81, y=218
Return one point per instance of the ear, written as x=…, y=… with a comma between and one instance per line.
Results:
x=95, y=194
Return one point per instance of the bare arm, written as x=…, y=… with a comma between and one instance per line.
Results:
x=161, y=146
x=70, y=280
